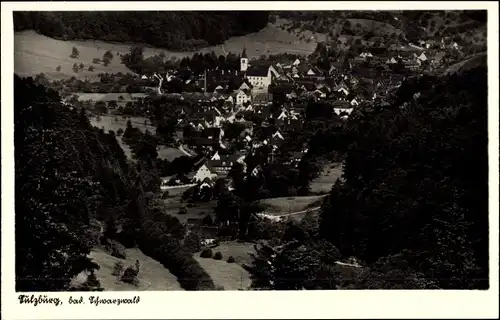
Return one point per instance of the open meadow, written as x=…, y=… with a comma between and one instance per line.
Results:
x=288, y=205
x=327, y=178
x=173, y=204
x=35, y=53
x=152, y=275
x=113, y=123
x=229, y=276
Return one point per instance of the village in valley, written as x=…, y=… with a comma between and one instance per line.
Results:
x=262, y=103
x=220, y=157
x=267, y=100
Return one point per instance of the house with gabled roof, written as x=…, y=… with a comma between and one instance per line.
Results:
x=313, y=71
x=278, y=135
x=245, y=85
x=221, y=166
x=242, y=96
x=205, y=172
x=219, y=89
x=392, y=60
x=260, y=77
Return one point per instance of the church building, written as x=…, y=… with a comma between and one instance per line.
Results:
x=259, y=77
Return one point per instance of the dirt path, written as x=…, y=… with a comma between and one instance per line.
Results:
x=181, y=148
x=281, y=216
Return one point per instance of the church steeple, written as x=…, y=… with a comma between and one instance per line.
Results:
x=244, y=60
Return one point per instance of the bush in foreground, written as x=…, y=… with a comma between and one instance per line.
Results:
x=218, y=256
x=231, y=259
x=130, y=275
x=118, y=269
x=206, y=253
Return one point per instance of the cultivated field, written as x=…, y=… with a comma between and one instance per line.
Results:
x=152, y=274
x=287, y=205
x=323, y=184
x=35, y=53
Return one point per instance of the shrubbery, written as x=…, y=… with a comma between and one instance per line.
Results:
x=117, y=250
x=231, y=259
x=218, y=255
x=169, y=251
x=130, y=275
x=118, y=269
x=192, y=242
x=206, y=253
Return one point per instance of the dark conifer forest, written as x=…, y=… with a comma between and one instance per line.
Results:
x=170, y=30
x=416, y=183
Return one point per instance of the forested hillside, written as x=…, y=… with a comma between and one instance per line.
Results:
x=67, y=174
x=416, y=183
x=75, y=190
x=170, y=30
x=465, y=26
x=412, y=209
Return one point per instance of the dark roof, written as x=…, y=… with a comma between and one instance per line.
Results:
x=324, y=90
x=262, y=97
x=223, y=162
x=309, y=86
x=242, y=81
x=204, y=141
x=244, y=53
x=341, y=104
x=211, y=132
x=283, y=88
x=257, y=72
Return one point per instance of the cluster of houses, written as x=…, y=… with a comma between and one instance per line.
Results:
x=247, y=96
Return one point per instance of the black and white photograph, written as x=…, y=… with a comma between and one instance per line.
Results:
x=237, y=150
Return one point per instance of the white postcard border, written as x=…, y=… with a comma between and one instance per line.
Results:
x=250, y=304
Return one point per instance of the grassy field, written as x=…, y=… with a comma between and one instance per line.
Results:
x=240, y=251
x=109, y=122
x=152, y=275
x=467, y=64
x=323, y=184
x=173, y=204
x=230, y=276
x=35, y=53
x=199, y=210
x=169, y=153
x=286, y=205
x=84, y=96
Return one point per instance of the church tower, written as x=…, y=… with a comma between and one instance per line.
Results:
x=244, y=61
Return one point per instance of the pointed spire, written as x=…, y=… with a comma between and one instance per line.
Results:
x=244, y=53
